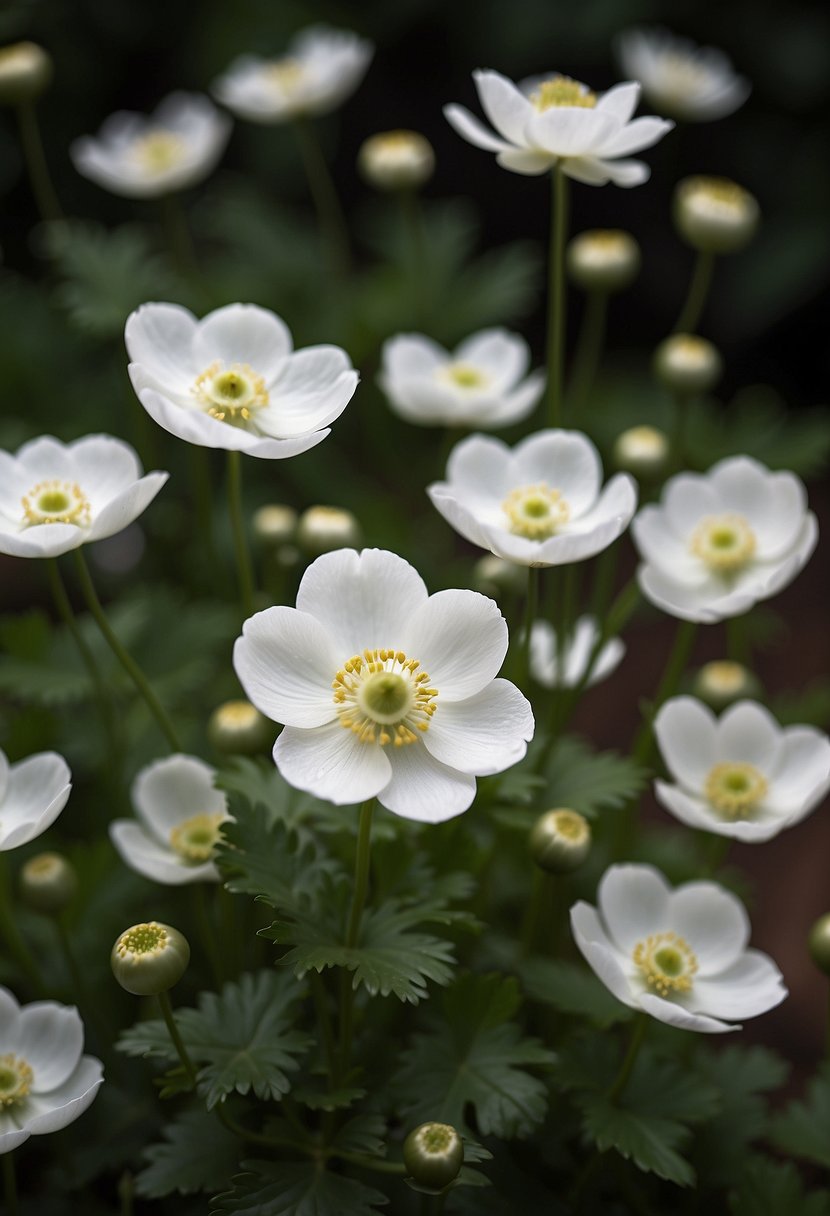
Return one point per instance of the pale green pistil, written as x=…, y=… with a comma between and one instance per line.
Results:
x=16, y=1078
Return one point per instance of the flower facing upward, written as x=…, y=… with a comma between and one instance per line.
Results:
x=719, y=542
x=679, y=955
x=396, y=160
x=384, y=690
x=233, y=381
x=321, y=68
x=481, y=383
x=140, y=157
x=545, y=122
x=55, y=497
x=540, y=504
x=32, y=795
x=545, y=660
x=741, y=775
x=688, y=82
x=45, y=1082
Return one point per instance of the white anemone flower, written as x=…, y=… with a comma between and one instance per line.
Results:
x=45, y=1082
x=33, y=793
x=232, y=380
x=180, y=817
x=144, y=157
x=481, y=383
x=689, y=82
x=545, y=665
x=320, y=69
x=742, y=775
x=553, y=121
x=58, y=496
x=719, y=542
x=679, y=955
x=385, y=691
x=541, y=504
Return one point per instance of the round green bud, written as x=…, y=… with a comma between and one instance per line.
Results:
x=396, y=160
x=322, y=529
x=25, y=71
x=643, y=451
x=150, y=958
x=818, y=943
x=274, y=524
x=722, y=682
x=433, y=1155
x=603, y=259
x=48, y=883
x=714, y=214
x=686, y=364
x=237, y=727
x=560, y=840
x=493, y=575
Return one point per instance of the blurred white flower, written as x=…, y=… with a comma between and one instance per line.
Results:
x=541, y=504
x=396, y=160
x=547, y=120
x=33, y=793
x=719, y=542
x=55, y=497
x=45, y=1082
x=232, y=380
x=180, y=817
x=544, y=660
x=141, y=157
x=480, y=384
x=686, y=81
x=321, y=68
x=679, y=955
x=741, y=775
x=384, y=690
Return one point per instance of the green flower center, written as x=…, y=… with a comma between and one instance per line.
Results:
x=734, y=790
x=286, y=73
x=464, y=375
x=667, y=962
x=232, y=394
x=159, y=151
x=536, y=512
x=147, y=938
x=16, y=1079
x=383, y=697
x=56, y=502
x=196, y=839
x=726, y=543
x=562, y=91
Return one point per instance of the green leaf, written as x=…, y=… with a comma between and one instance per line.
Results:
x=773, y=1188
x=803, y=1129
x=649, y=1141
x=757, y=423
x=742, y=1075
x=197, y=1154
x=363, y=1134
x=588, y=781
x=327, y=1100
x=273, y=1188
x=571, y=989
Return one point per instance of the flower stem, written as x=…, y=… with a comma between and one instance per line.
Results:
x=615, y=1092
x=11, y=934
x=361, y=884
x=125, y=659
x=556, y=293
x=177, y=234
x=738, y=644
x=240, y=543
x=692, y=309
x=10, y=1184
x=178, y=1042
x=676, y=665
x=332, y=222
x=531, y=612
x=588, y=349
x=36, y=166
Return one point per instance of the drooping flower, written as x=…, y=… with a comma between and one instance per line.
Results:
x=57, y=496
x=679, y=955
x=45, y=1082
x=481, y=383
x=384, y=690
x=718, y=543
x=541, y=504
x=33, y=793
x=179, y=824
x=688, y=82
x=321, y=68
x=741, y=775
x=550, y=121
x=579, y=646
x=232, y=380
x=144, y=157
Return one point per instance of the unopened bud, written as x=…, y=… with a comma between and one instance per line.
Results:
x=687, y=364
x=433, y=1155
x=149, y=958
x=603, y=259
x=48, y=883
x=25, y=71
x=818, y=943
x=643, y=451
x=493, y=575
x=560, y=840
x=714, y=214
x=322, y=529
x=237, y=727
x=396, y=160
x=274, y=524
x=723, y=682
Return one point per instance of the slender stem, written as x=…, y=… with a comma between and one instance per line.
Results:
x=701, y=281
x=416, y=251
x=178, y=1042
x=11, y=934
x=556, y=293
x=177, y=233
x=680, y=430
x=332, y=222
x=531, y=612
x=240, y=542
x=588, y=349
x=361, y=884
x=207, y=931
x=717, y=850
x=368, y=1163
x=320, y=996
x=615, y=1092
x=125, y=659
x=738, y=644
x=676, y=665
x=126, y=1192
x=202, y=489
x=828, y=1021
x=36, y=166
x=10, y=1184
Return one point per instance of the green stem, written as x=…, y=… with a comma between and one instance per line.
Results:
x=717, y=850
x=701, y=281
x=177, y=233
x=125, y=659
x=200, y=477
x=361, y=884
x=240, y=542
x=320, y=997
x=676, y=665
x=207, y=931
x=36, y=166
x=417, y=251
x=10, y=1184
x=738, y=645
x=556, y=294
x=635, y=1043
x=531, y=612
x=368, y=1163
x=126, y=1192
x=178, y=1042
x=254, y=1137
x=11, y=934
x=332, y=222
x=680, y=430
x=588, y=349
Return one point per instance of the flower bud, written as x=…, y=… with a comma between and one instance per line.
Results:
x=396, y=160
x=686, y=364
x=714, y=214
x=818, y=943
x=560, y=840
x=492, y=575
x=322, y=529
x=25, y=71
x=149, y=958
x=603, y=259
x=237, y=727
x=643, y=451
x=274, y=524
x=723, y=682
x=48, y=883
x=433, y=1155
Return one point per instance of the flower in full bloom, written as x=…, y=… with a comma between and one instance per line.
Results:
x=141, y=157
x=541, y=504
x=742, y=775
x=56, y=497
x=321, y=68
x=545, y=661
x=719, y=542
x=554, y=121
x=384, y=690
x=679, y=955
x=483, y=382
x=33, y=793
x=688, y=82
x=233, y=381
x=180, y=817
x=45, y=1082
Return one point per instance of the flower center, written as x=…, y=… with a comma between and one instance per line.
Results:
x=717, y=197
x=562, y=91
x=56, y=502
x=196, y=839
x=464, y=376
x=536, y=512
x=231, y=394
x=724, y=542
x=286, y=73
x=572, y=826
x=667, y=962
x=734, y=789
x=16, y=1079
x=158, y=151
x=148, y=938
x=383, y=697
x=682, y=75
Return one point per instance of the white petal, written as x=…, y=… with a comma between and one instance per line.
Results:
x=634, y=137
x=286, y=661
x=54, y=1110
x=749, y=734
x=37, y=790
x=310, y=393
x=800, y=777
x=750, y=986
x=423, y=789
x=195, y=426
x=705, y=603
x=569, y=130
x=485, y=734
x=662, y=547
x=676, y=1015
x=566, y=461
x=412, y=355
x=530, y=162
x=587, y=169
x=104, y=466
x=686, y=499
x=634, y=903
x=460, y=518
x=50, y=1037
x=506, y=107
x=600, y=953
x=174, y=789
x=773, y=503
x=243, y=333
x=331, y=763
x=474, y=131
x=712, y=921
x=10, y=1134
x=478, y=472
x=460, y=638
x=516, y=406
x=695, y=812
x=503, y=356
x=143, y=854
x=126, y=506
x=625, y=173
x=686, y=732
x=160, y=338
x=621, y=101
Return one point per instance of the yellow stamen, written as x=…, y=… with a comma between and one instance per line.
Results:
x=232, y=394
x=56, y=502
x=383, y=697
x=158, y=151
x=562, y=91
x=286, y=73
x=735, y=789
x=196, y=839
x=667, y=962
x=465, y=376
x=16, y=1079
x=724, y=542
x=536, y=512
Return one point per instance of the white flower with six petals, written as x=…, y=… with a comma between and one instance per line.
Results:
x=33, y=793
x=688, y=82
x=579, y=646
